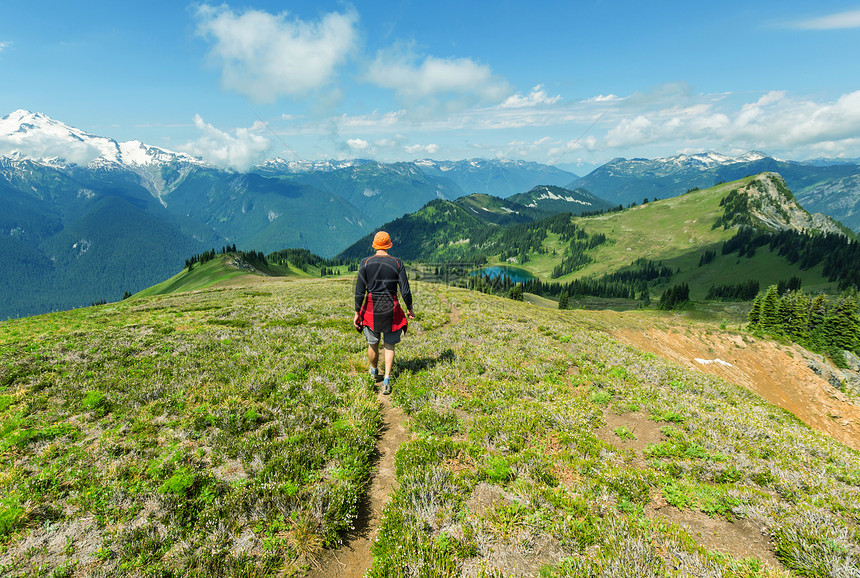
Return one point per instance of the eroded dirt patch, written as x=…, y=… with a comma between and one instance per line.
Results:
x=778, y=373
x=636, y=431
x=741, y=538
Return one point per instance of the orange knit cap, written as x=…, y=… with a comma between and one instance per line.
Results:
x=382, y=241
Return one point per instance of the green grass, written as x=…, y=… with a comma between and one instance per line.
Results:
x=200, y=277
x=231, y=431
x=208, y=406
x=678, y=228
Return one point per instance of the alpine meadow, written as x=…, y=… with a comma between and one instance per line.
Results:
x=611, y=250
x=222, y=423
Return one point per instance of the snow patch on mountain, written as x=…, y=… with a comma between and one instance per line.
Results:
x=710, y=159
x=547, y=194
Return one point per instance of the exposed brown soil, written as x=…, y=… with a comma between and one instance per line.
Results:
x=643, y=432
x=778, y=373
x=739, y=538
x=353, y=559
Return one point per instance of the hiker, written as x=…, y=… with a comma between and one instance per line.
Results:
x=380, y=315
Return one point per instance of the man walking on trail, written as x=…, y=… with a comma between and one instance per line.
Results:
x=380, y=315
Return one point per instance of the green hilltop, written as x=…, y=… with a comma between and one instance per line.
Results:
x=223, y=269
x=232, y=431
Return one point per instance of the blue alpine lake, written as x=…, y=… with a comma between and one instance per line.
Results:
x=515, y=274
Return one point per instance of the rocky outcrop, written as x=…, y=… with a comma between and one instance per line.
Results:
x=846, y=380
x=772, y=204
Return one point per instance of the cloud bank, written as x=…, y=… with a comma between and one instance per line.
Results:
x=449, y=83
x=238, y=151
x=266, y=56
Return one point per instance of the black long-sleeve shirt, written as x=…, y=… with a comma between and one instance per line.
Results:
x=380, y=275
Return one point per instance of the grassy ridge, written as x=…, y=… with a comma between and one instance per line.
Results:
x=230, y=432
x=676, y=231
x=200, y=277
x=675, y=228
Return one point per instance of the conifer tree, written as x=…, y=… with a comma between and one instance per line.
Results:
x=563, y=299
x=754, y=316
x=798, y=327
x=769, y=317
x=817, y=315
x=843, y=324
x=645, y=297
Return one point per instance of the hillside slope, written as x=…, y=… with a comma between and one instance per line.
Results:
x=676, y=234
x=232, y=431
x=680, y=230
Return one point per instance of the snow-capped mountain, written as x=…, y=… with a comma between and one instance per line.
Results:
x=496, y=177
x=38, y=137
x=278, y=164
x=710, y=159
x=678, y=164
x=632, y=180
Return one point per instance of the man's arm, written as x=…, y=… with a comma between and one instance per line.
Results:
x=360, y=287
x=405, y=291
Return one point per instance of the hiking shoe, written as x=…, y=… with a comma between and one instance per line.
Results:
x=386, y=386
x=374, y=373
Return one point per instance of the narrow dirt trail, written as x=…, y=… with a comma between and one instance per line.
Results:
x=353, y=559
x=454, y=313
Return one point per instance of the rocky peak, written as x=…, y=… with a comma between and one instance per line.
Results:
x=771, y=203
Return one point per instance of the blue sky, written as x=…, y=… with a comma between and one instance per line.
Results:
x=568, y=83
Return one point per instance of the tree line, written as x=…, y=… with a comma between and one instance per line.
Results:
x=838, y=253
x=819, y=323
x=207, y=256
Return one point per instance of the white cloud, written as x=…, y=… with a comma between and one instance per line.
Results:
x=537, y=97
x=373, y=122
x=778, y=120
x=429, y=149
x=357, y=144
x=266, y=56
x=840, y=20
x=435, y=78
x=604, y=98
x=238, y=151
x=632, y=132
x=659, y=122
x=38, y=145
x=4, y=45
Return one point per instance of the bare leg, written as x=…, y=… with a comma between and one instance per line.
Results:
x=389, y=358
x=373, y=354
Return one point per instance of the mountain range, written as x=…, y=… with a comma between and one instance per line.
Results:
x=85, y=218
x=827, y=186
